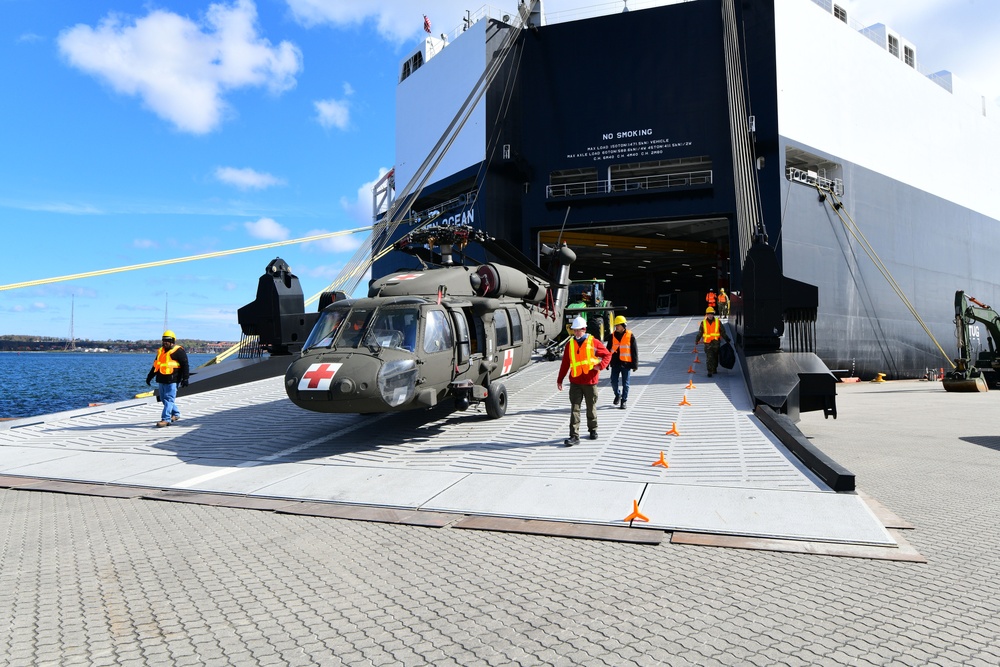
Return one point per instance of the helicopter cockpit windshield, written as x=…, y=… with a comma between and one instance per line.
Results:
x=387, y=327
x=326, y=328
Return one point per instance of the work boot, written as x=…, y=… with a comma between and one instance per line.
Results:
x=162, y=423
x=570, y=441
x=174, y=418
x=593, y=435
x=615, y=402
x=622, y=406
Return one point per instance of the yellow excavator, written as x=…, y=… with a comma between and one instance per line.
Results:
x=974, y=374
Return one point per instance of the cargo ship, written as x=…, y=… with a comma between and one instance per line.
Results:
x=666, y=144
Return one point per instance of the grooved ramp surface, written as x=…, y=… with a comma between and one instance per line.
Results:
x=250, y=440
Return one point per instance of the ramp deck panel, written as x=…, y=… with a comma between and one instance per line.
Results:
x=727, y=473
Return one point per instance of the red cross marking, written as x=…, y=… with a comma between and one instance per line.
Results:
x=406, y=276
x=318, y=376
x=508, y=361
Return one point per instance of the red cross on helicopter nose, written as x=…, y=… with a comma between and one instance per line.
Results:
x=318, y=376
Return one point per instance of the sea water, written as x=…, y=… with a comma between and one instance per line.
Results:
x=36, y=383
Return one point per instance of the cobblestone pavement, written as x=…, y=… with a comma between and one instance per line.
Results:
x=101, y=581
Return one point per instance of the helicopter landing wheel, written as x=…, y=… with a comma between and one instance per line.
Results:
x=496, y=401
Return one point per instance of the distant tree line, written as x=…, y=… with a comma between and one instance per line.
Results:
x=21, y=343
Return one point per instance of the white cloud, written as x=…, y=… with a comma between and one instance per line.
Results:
x=348, y=89
x=144, y=244
x=361, y=208
x=396, y=20
x=34, y=307
x=181, y=68
x=345, y=243
x=267, y=230
x=399, y=21
x=30, y=37
x=333, y=113
x=137, y=308
x=247, y=179
x=58, y=207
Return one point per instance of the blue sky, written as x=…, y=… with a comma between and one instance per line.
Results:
x=132, y=132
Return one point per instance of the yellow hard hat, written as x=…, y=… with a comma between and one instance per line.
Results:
x=620, y=320
x=710, y=310
x=169, y=334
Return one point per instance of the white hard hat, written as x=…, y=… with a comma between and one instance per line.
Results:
x=578, y=323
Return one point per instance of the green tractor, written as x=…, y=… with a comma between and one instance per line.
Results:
x=586, y=299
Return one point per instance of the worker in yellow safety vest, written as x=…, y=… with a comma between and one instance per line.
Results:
x=710, y=330
x=584, y=357
x=624, y=358
x=170, y=368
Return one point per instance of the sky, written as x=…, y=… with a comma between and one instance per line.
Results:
x=135, y=132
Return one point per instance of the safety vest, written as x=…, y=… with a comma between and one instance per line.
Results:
x=710, y=297
x=710, y=330
x=625, y=351
x=581, y=357
x=164, y=364
x=722, y=297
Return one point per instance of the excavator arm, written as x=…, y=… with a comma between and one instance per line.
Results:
x=968, y=374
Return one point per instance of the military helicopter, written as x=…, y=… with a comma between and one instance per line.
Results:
x=445, y=331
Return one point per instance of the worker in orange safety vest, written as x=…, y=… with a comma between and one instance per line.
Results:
x=711, y=330
x=170, y=368
x=624, y=358
x=584, y=357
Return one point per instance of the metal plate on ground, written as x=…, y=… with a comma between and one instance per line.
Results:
x=577, y=500
x=93, y=466
x=803, y=515
x=377, y=514
x=562, y=529
x=903, y=552
x=18, y=457
x=216, y=475
x=364, y=486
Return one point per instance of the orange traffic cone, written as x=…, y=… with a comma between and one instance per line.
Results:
x=673, y=430
x=696, y=359
x=684, y=401
x=636, y=515
x=661, y=462
x=695, y=350
x=690, y=385
x=690, y=369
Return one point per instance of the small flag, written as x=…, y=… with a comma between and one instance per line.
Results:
x=427, y=24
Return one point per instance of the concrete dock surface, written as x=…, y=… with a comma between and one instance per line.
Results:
x=109, y=581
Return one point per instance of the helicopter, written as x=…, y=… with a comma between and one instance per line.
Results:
x=446, y=331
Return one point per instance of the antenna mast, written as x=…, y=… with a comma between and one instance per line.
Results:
x=71, y=345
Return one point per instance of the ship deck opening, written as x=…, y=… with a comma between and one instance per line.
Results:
x=662, y=267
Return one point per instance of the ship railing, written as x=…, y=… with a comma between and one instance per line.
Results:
x=630, y=184
x=807, y=177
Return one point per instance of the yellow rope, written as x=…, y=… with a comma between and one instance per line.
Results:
x=859, y=236
x=166, y=262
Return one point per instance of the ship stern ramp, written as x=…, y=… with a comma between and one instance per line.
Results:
x=726, y=474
